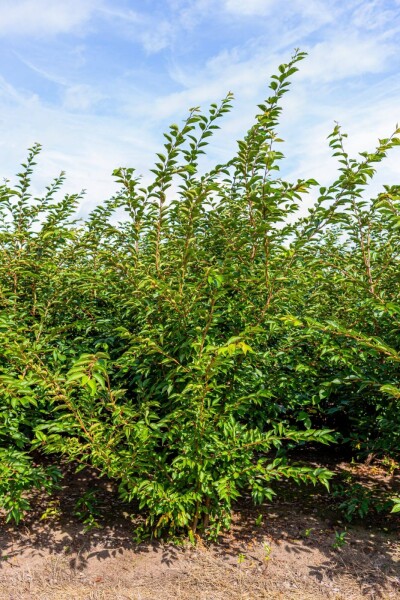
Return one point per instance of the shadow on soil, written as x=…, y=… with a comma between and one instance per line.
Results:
x=300, y=525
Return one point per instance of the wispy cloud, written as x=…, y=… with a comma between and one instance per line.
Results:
x=57, y=78
x=348, y=54
x=375, y=14
x=81, y=97
x=44, y=17
x=153, y=31
x=251, y=7
x=320, y=12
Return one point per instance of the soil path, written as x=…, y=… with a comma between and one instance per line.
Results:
x=296, y=549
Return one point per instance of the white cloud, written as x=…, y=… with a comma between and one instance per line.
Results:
x=151, y=30
x=156, y=36
x=250, y=7
x=87, y=147
x=81, y=97
x=44, y=17
x=347, y=55
x=8, y=92
x=191, y=14
x=374, y=14
x=246, y=72
x=319, y=12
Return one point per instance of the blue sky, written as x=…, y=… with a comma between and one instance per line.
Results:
x=98, y=81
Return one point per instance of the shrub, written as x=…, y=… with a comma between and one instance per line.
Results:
x=183, y=350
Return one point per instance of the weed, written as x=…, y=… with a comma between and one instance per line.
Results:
x=267, y=551
x=340, y=540
x=259, y=520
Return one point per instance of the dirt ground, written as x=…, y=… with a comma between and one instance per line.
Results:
x=288, y=553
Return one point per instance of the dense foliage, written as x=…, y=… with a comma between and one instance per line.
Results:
x=184, y=350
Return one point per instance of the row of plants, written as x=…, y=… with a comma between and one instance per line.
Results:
x=184, y=349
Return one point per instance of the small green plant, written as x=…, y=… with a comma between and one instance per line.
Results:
x=340, y=540
x=307, y=532
x=87, y=510
x=52, y=511
x=267, y=551
x=259, y=520
x=141, y=534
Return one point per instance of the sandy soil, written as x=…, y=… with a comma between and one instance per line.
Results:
x=290, y=555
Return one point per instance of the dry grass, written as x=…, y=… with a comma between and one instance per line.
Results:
x=293, y=570
x=290, y=556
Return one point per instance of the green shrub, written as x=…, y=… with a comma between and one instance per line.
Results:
x=185, y=349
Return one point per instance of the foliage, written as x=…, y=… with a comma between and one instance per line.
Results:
x=18, y=476
x=184, y=349
x=359, y=501
x=87, y=510
x=396, y=505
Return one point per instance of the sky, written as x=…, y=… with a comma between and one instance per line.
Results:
x=97, y=82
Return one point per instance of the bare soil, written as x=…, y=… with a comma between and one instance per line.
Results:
x=290, y=554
